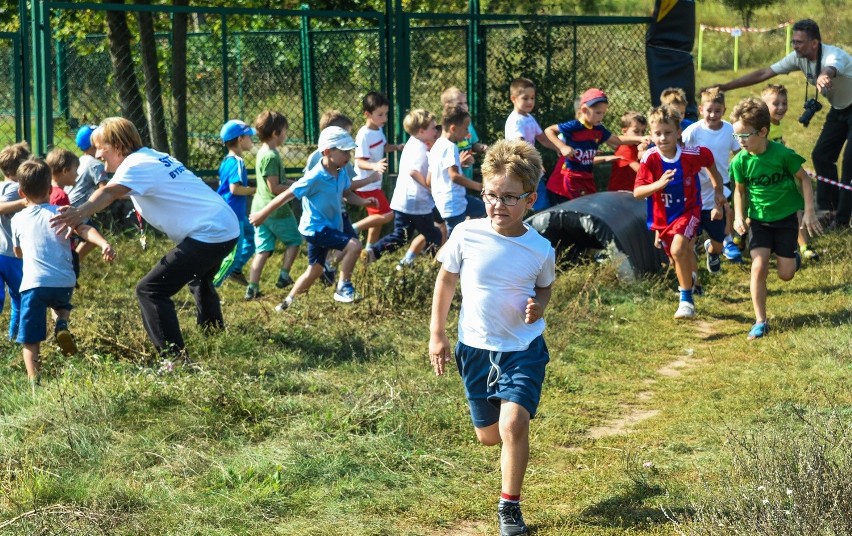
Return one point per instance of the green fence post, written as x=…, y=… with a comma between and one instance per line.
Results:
x=789, y=37
x=473, y=57
x=225, y=104
x=402, y=67
x=700, y=45
x=23, y=59
x=62, y=81
x=309, y=98
x=240, y=89
x=736, y=53
x=41, y=78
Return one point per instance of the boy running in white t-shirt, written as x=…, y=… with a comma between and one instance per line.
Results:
x=449, y=185
x=716, y=134
x=506, y=270
x=370, y=159
x=412, y=201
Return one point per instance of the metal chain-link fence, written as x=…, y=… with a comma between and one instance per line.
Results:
x=10, y=113
x=180, y=73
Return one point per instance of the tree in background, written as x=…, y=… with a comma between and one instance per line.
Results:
x=747, y=8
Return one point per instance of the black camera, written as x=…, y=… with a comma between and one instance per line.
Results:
x=812, y=106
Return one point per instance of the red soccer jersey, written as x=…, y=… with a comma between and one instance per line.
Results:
x=622, y=176
x=682, y=195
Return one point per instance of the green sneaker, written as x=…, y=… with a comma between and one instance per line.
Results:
x=252, y=293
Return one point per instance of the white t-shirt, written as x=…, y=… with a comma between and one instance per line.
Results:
x=90, y=174
x=8, y=192
x=497, y=274
x=173, y=200
x=46, y=255
x=449, y=197
x=721, y=143
x=371, y=145
x=409, y=197
x=840, y=94
x=522, y=126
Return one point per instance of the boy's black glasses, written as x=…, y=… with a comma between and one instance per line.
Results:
x=507, y=200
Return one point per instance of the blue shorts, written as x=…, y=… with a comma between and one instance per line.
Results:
x=34, y=304
x=490, y=377
x=284, y=229
x=322, y=241
x=715, y=229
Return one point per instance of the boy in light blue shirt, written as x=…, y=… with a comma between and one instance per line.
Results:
x=49, y=278
x=321, y=191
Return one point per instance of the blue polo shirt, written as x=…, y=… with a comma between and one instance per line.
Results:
x=321, y=193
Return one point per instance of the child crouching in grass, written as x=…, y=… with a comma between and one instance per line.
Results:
x=48, y=279
x=506, y=270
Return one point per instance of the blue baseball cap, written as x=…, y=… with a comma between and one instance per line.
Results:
x=84, y=136
x=235, y=128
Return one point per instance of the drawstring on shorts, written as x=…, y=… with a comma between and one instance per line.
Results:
x=495, y=369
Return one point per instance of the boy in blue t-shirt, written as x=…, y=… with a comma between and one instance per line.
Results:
x=234, y=189
x=321, y=190
x=49, y=278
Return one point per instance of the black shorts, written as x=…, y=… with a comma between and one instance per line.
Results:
x=780, y=236
x=437, y=215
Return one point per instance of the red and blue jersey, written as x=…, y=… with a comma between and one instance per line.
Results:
x=577, y=172
x=682, y=195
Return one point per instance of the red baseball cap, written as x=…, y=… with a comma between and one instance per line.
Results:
x=593, y=96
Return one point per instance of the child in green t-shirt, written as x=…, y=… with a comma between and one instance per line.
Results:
x=765, y=174
x=271, y=128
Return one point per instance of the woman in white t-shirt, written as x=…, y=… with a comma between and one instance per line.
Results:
x=175, y=201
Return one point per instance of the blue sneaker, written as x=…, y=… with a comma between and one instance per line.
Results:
x=732, y=253
x=346, y=293
x=511, y=520
x=758, y=330
x=714, y=263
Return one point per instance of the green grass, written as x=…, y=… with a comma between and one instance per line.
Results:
x=327, y=419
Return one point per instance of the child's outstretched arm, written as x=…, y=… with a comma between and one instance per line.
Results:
x=419, y=178
x=440, y=351
x=614, y=141
x=360, y=183
x=461, y=180
x=257, y=218
x=367, y=165
x=552, y=133
x=391, y=147
x=354, y=199
x=646, y=190
x=537, y=304
x=11, y=207
x=718, y=189
x=810, y=222
x=545, y=141
x=68, y=217
x=90, y=234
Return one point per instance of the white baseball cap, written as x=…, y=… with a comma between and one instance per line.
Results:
x=335, y=138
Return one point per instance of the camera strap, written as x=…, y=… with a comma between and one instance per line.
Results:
x=816, y=74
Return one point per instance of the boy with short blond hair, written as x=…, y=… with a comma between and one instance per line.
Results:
x=676, y=97
x=49, y=279
x=772, y=204
x=623, y=174
x=449, y=185
x=412, y=201
x=271, y=128
x=716, y=134
x=668, y=177
x=11, y=201
x=470, y=144
x=506, y=270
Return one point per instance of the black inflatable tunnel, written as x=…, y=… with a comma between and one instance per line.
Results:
x=593, y=221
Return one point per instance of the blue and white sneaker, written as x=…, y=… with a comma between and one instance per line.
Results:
x=346, y=293
x=714, y=263
x=732, y=253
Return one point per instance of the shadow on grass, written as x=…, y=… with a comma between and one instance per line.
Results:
x=628, y=510
x=835, y=319
x=316, y=349
x=822, y=289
